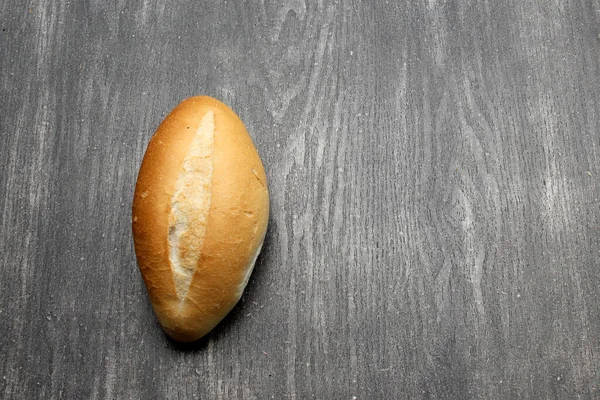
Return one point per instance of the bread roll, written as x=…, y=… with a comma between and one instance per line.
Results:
x=200, y=214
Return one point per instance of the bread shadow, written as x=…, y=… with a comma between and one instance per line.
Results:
x=238, y=311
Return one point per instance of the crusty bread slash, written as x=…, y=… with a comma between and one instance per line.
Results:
x=200, y=214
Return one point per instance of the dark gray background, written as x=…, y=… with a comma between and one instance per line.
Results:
x=433, y=168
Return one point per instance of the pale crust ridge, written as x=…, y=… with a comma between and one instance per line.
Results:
x=190, y=205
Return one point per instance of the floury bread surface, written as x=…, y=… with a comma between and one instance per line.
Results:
x=200, y=214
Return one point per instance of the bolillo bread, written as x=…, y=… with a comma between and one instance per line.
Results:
x=200, y=213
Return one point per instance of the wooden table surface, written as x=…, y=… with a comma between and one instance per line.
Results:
x=434, y=174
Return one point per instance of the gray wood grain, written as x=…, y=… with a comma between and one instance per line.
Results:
x=435, y=212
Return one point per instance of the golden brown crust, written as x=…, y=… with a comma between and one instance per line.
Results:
x=236, y=222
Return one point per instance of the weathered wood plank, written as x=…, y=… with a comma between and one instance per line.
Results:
x=435, y=203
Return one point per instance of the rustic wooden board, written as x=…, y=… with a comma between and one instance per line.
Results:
x=435, y=213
